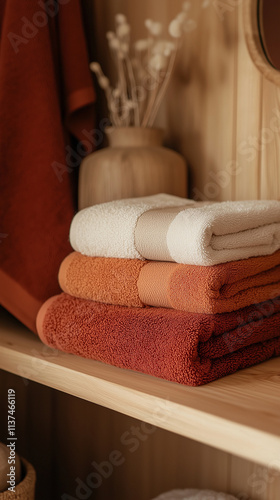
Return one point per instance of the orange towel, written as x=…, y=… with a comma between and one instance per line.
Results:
x=111, y=280
x=132, y=282
x=188, y=348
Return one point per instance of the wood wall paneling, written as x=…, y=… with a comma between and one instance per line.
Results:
x=204, y=86
x=248, y=121
x=269, y=143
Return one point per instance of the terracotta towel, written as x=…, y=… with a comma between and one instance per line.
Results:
x=188, y=348
x=45, y=84
x=132, y=282
x=168, y=228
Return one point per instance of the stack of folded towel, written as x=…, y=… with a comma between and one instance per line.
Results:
x=182, y=290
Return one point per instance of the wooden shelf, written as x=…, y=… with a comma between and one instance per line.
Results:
x=239, y=414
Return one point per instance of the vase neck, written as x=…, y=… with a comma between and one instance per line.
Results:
x=134, y=136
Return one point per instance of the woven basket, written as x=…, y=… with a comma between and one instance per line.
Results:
x=25, y=490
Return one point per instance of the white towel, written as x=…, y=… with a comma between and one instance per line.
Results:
x=196, y=233
x=107, y=229
x=194, y=495
x=225, y=231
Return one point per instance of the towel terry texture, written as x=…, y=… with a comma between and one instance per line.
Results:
x=187, y=348
x=167, y=228
x=108, y=280
x=133, y=282
x=107, y=229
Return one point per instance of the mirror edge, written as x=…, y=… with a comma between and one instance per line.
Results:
x=254, y=45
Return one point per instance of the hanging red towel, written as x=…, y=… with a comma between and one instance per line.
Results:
x=45, y=90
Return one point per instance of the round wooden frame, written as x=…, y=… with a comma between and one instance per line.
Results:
x=252, y=36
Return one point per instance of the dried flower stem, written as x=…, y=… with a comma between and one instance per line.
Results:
x=122, y=79
x=164, y=86
x=133, y=91
x=150, y=104
x=142, y=80
x=114, y=110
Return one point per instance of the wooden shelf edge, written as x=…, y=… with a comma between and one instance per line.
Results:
x=214, y=414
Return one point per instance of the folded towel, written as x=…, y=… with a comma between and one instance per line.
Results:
x=188, y=348
x=107, y=229
x=132, y=282
x=168, y=228
x=108, y=280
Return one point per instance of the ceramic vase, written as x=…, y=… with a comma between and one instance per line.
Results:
x=134, y=164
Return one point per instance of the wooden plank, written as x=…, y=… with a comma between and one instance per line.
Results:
x=238, y=414
x=249, y=120
x=269, y=142
x=272, y=478
x=202, y=105
x=249, y=480
x=213, y=468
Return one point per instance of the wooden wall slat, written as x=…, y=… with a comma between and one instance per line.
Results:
x=249, y=481
x=249, y=120
x=269, y=142
x=204, y=87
